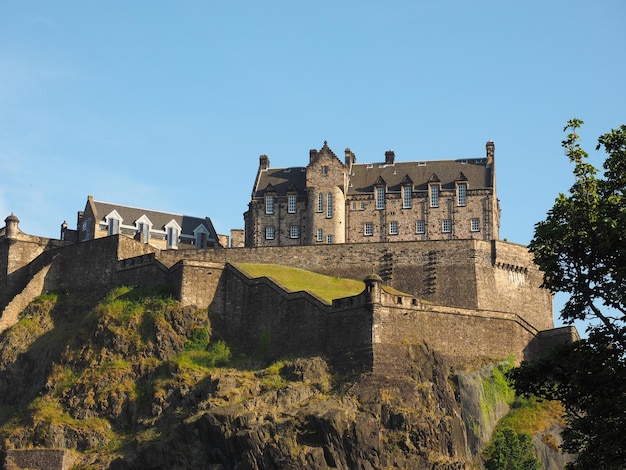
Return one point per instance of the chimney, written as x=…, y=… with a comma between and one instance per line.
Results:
x=264, y=162
x=390, y=157
x=350, y=157
x=312, y=155
x=491, y=152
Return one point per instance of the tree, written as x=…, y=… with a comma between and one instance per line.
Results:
x=581, y=247
x=511, y=451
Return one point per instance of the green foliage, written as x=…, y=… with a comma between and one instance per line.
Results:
x=510, y=450
x=215, y=355
x=581, y=247
x=199, y=340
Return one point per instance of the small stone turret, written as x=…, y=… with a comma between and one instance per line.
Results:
x=11, y=227
x=373, y=287
x=264, y=162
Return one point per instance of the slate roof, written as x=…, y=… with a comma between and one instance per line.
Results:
x=365, y=175
x=447, y=172
x=282, y=180
x=159, y=219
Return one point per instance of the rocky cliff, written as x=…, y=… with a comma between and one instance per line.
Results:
x=133, y=381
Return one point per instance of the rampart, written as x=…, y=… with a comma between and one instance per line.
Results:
x=471, y=300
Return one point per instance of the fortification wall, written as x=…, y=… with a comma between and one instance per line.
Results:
x=470, y=274
x=263, y=319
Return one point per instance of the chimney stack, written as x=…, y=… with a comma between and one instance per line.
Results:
x=264, y=162
x=350, y=157
x=312, y=155
x=390, y=157
x=491, y=152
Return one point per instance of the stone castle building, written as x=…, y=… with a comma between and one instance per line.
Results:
x=329, y=201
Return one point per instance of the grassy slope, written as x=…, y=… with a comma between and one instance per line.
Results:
x=326, y=288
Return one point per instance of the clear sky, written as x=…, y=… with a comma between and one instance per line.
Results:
x=167, y=105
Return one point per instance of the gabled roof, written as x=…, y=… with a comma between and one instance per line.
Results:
x=159, y=219
x=365, y=176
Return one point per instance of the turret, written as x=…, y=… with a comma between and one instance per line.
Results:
x=11, y=226
x=373, y=287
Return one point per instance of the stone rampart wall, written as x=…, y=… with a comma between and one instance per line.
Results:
x=38, y=459
x=469, y=274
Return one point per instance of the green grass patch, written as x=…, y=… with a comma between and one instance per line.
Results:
x=531, y=416
x=324, y=287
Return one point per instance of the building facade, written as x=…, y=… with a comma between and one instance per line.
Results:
x=330, y=201
x=161, y=230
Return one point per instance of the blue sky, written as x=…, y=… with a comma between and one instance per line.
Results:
x=168, y=105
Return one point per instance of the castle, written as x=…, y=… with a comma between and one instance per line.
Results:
x=466, y=294
x=330, y=202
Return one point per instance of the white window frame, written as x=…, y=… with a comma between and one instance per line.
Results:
x=329, y=239
x=320, y=202
x=329, y=206
x=270, y=233
x=368, y=229
x=362, y=206
x=420, y=227
x=393, y=228
x=172, y=232
x=434, y=195
x=446, y=226
x=475, y=225
x=380, y=197
x=269, y=204
x=294, y=231
x=114, y=223
x=407, y=202
x=461, y=192
x=320, y=235
x=292, y=203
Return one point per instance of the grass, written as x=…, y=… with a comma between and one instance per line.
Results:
x=326, y=288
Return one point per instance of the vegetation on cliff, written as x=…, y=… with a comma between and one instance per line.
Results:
x=581, y=247
x=136, y=381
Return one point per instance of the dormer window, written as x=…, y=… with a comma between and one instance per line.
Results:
x=434, y=195
x=380, y=197
x=144, y=226
x=113, y=220
x=172, y=231
x=461, y=193
x=292, y=200
x=406, y=197
x=202, y=236
x=269, y=204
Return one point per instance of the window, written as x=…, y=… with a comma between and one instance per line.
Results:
x=446, y=226
x=380, y=197
x=434, y=196
x=114, y=226
x=291, y=203
x=320, y=202
x=329, y=206
x=201, y=239
x=420, y=227
x=325, y=170
x=362, y=206
x=475, y=225
x=406, y=197
x=368, y=231
x=269, y=233
x=329, y=239
x=320, y=235
x=269, y=204
x=144, y=230
x=461, y=194
x=393, y=228
x=354, y=206
x=294, y=231
x=172, y=237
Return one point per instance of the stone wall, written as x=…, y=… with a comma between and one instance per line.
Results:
x=470, y=274
x=38, y=459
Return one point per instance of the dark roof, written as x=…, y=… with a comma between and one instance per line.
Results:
x=475, y=171
x=282, y=181
x=159, y=219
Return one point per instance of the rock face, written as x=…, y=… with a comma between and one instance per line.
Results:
x=132, y=383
